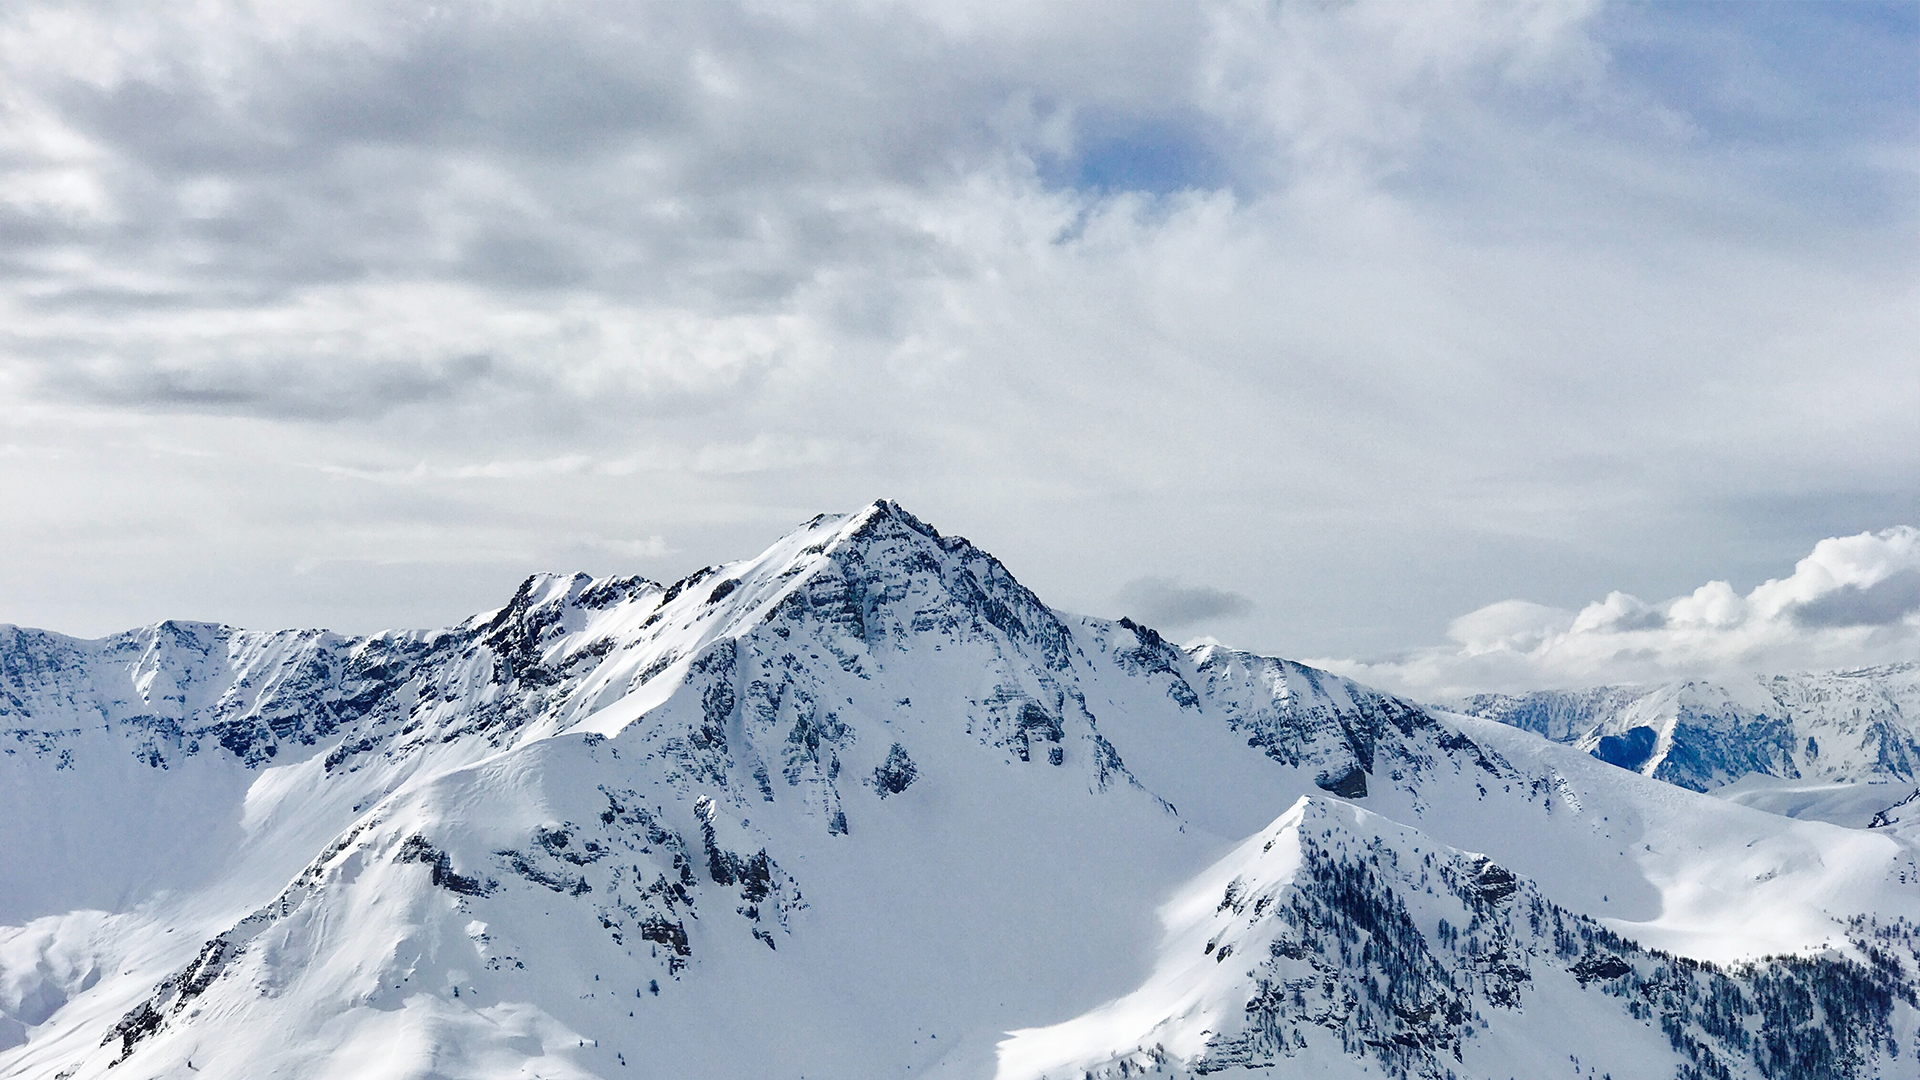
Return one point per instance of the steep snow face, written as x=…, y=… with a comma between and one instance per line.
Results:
x=1842, y=726
x=861, y=798
x=1338, y=943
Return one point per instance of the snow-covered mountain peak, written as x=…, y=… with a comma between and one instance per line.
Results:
x=861, y=798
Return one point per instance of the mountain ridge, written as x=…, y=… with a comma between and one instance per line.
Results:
x=856, y=806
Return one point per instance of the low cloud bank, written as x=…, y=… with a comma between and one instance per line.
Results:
x=1853, y=601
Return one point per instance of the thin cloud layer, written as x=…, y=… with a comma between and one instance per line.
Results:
x=1853, y=601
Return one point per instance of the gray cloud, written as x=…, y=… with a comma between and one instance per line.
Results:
x=706, y=155
x=1883, y=603
x=1165, y=602
x=279, y=389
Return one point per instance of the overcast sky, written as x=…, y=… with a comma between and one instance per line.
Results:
x=1314, y=328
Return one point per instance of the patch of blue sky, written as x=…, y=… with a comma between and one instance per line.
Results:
x=1152, y=155
x=1785, y=123
x=1798, y=103
x=1766, y=72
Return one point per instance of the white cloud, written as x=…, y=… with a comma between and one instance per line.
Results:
x=1507, y=625
x=653, y=547
x=1853, y=601
x=421, y=472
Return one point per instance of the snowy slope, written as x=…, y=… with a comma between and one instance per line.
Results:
x=1619, y=926
x=1869, y=804
x=1336, y=943
x=858, y=807
x=1838, y=726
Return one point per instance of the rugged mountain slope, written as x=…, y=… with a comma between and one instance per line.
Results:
x=1336, y=943
x=855, y=807
x=1827, y=727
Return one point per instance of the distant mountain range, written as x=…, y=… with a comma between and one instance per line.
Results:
x=865, y=806
x=1834, y=727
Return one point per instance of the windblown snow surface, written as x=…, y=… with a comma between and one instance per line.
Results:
x=864, y=806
